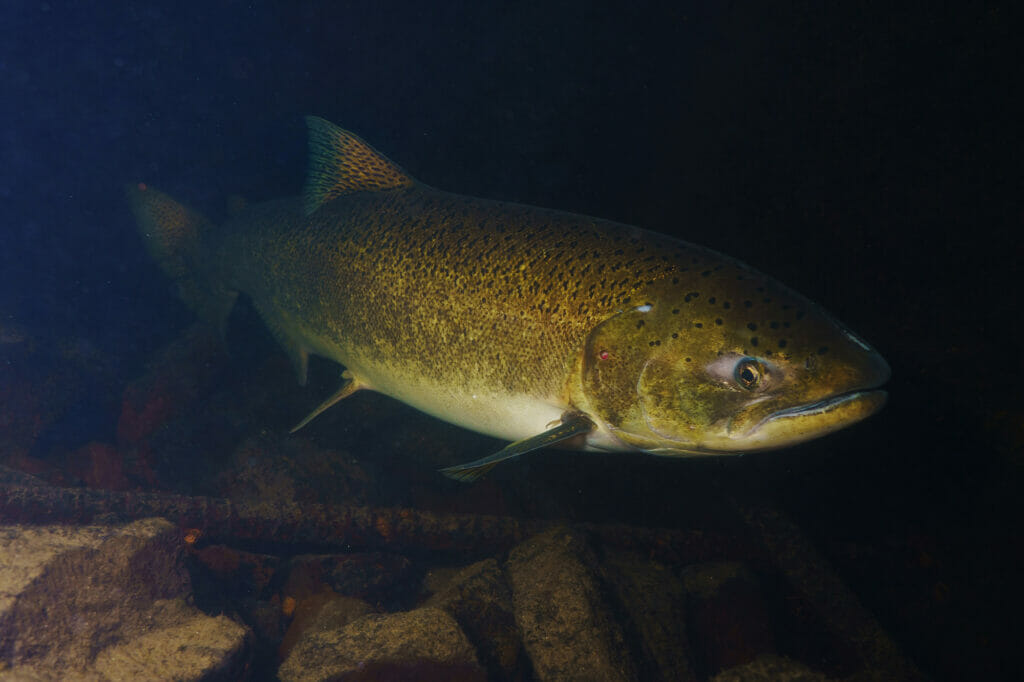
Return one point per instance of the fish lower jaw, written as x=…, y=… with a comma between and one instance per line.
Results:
x=812, y=420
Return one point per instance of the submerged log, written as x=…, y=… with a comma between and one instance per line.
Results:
x=212, y=519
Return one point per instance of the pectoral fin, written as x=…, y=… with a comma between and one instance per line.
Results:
x=348, y=387
x=573, y=424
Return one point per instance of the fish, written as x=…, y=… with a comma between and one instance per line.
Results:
x=532, y=325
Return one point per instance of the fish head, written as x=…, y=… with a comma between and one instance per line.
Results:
x=741, y=366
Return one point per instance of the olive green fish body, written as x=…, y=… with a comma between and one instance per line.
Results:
x=507, y=318
x=436, y=298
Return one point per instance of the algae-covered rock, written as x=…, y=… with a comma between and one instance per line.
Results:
x=107, y=602
x=480, y=600
x=424, y=644
x=569, y=629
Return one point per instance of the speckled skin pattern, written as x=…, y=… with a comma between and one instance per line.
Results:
x=451, y=288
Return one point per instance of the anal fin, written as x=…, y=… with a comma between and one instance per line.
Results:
x=573, y=424
x=347, y=388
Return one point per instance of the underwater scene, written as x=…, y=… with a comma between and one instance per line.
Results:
x=380, y=341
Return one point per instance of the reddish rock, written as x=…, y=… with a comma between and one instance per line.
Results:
x=245, y=572
x=99, y=465
x=372, y=576
x=179, y=376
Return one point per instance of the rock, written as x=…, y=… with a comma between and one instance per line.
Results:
x=182, y=374
x=425, y=644
x=729, y=622
x=480, y=601
x=107, y=602
x=568, y=628
x=320, y=612
x=181, y=639
x=373, y=576
x=98, y=465
x=770, y=668
x=242, y=573
x=654, y=600
x=276, y=467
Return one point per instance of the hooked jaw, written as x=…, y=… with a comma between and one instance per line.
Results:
x=859, y=400
x=810, y=420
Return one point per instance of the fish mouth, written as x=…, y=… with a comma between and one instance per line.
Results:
x=811, y=420
x=823, y=407
x=779, y=429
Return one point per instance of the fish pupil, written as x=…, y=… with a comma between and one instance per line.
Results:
x=748, y=374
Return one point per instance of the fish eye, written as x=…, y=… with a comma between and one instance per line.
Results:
x=748, y=373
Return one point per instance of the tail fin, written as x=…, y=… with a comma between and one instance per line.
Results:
x=172, y=235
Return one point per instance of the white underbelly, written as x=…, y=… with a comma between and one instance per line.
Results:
x=500, y=414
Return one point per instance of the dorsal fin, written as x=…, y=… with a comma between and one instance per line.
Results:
x=340, y=163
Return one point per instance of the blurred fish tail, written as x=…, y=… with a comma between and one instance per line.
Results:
x=173, y=234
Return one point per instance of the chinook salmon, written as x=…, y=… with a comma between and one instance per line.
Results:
x=532, y=325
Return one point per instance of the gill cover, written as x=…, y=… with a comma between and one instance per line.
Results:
x=621, y=364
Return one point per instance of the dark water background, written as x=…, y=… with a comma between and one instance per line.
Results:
x=866, y=154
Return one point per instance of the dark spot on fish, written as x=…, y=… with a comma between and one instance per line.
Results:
x=689, y=359
x=726, y=305
x=675, y=335
x=675, y=311
x=785, y=325
x=690, y=296
x=751, y=326
x=822, y=350
x=760, y=290
x=618, y=252
x=782, y=343
x=711, y=300
x=766, y=300
x=675, y=280
x=773, y=324
x=748, y=304
x=639, y=323
x=753, y=340
x=718, y=321
x=698, y=325
x=651, y=343
x=706, y=273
